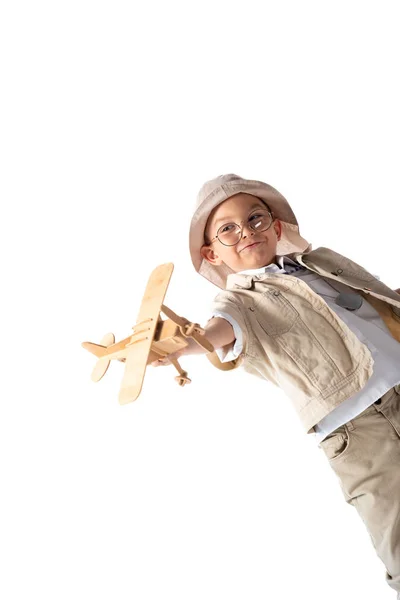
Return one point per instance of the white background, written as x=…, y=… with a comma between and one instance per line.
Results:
x=113, y=115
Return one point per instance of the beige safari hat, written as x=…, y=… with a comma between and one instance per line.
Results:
x=218, y=190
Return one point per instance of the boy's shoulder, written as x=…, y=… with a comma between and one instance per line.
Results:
x=325, y=257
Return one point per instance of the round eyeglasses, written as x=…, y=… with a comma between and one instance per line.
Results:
x=230, y=234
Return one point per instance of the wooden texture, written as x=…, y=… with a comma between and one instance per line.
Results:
x=138, y=349
x=151, y=339
x=168, y=338
x=103, y=363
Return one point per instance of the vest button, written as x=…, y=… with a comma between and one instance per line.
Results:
x=340, y=270
x=276, y=293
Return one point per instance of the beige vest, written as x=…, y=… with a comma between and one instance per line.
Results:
x=293, y=339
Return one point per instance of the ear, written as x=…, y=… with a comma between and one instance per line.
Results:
x=210, y=255
x=278, y=228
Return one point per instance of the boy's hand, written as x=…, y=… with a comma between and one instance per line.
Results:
x=166, y=360
x=218, y=332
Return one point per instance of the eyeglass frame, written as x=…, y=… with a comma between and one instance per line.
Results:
x=271, y=214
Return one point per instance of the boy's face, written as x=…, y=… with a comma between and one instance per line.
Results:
x=254, y=250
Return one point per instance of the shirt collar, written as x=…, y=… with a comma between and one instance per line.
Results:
x=273, y=267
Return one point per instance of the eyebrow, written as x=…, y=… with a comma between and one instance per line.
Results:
x=230, y=218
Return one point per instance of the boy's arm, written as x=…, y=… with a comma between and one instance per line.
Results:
x=218, y=332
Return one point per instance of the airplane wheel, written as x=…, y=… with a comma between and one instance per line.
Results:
x=182, y=379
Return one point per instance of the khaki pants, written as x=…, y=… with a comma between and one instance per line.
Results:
x=365, y=455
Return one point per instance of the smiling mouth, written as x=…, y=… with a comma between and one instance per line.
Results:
x=251, y=246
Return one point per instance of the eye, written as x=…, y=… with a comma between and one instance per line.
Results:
x=256, y=216
x=226, y=228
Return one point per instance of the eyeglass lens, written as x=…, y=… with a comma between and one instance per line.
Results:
x=230, y=234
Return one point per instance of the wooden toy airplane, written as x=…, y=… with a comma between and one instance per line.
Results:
x=152, y=338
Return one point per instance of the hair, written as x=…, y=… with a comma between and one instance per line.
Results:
x=207, y=241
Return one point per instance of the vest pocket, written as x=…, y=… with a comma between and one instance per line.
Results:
x=311, y=352
x=283, y=313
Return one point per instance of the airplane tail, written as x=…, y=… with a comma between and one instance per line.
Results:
x=99, y=350
x=96, y=349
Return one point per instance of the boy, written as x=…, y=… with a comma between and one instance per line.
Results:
x=317, y=325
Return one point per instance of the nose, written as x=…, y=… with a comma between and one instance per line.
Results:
x=247, y=227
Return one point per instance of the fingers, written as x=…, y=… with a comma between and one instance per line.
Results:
x=166, y=360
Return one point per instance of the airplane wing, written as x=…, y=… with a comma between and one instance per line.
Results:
x=139, y=347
